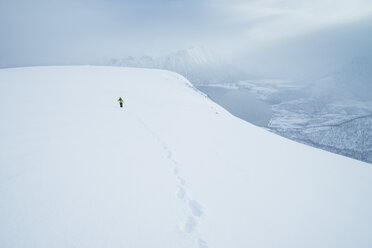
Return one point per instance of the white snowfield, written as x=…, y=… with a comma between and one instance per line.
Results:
x=171, y=169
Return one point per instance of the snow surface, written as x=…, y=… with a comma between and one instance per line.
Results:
x=170, y=169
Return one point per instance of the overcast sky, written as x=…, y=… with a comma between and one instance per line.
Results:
x=87, y=31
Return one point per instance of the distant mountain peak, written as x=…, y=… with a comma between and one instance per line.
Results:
x=196, y=54
x=199, y=64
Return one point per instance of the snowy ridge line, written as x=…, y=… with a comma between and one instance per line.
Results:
x=187, y=82
x=194, y=208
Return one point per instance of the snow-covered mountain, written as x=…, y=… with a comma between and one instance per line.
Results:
x=198, y=64
x=170, y=169
x=353, y=81
x=332, y=113
x=327, y=113
x=352, y=138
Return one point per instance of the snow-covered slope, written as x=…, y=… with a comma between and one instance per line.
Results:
x=341, y=127
x=170, y=169
x=330, y=113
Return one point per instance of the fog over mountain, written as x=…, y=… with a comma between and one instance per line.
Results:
x=198, y=64
x=286, y=38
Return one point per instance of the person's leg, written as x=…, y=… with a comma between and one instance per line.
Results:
x=121, y=105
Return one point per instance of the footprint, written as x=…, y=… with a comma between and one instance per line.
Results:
x=196, y=209
x=181, y=193
x=169, y=154
x=182, y=181
x=190, y=225
x=202, y=244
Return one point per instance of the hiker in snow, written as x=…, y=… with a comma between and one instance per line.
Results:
x=121, y=102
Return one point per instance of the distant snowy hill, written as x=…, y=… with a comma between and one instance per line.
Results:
x=197, y=64
x=332, y=113
x=352, y=138
x=170, y=169
x=352, y=81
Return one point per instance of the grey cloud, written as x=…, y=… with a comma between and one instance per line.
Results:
x=255, y=32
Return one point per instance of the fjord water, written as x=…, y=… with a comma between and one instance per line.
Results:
x=240, y=102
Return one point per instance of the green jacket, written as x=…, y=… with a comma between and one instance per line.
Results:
x=120, y=100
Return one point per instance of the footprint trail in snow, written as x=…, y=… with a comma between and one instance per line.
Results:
x=195, y=210
x=193, y=206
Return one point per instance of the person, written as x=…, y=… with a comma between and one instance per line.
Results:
x=121, y=102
